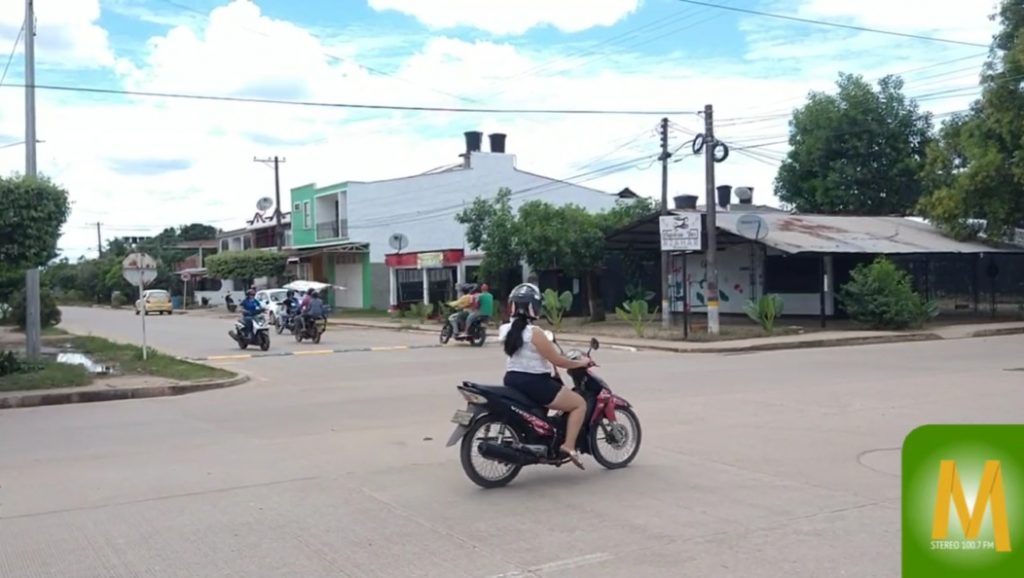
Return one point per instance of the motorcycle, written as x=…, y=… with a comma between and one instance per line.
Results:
x=260, y=333
x=529, y=434
x=476, y=333
x=303, y=329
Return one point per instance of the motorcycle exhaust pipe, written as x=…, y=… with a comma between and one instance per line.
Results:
x=506, y=454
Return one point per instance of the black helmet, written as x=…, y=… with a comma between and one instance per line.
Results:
x=525, y=301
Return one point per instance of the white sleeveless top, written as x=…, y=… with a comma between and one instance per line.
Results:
x=527, y=359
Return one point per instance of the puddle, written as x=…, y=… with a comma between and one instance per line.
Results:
x=72, y=358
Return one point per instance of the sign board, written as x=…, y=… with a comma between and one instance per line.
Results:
x=680, y=232
x=186, y=276
x=752, y=227
x=139, y=269
x=430, y=260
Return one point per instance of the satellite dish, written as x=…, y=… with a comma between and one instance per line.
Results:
x=744, y=193
x=752, y=226
x=264, y=203
x=398, y=241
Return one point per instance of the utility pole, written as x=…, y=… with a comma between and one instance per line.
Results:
x=99, y=239
x=278, y=234
x=33, y=325
x=711, y=257
x=666, y=313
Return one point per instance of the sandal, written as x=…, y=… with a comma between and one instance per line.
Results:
x=573, y=457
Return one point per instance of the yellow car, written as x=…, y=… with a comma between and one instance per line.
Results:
x=155, y=301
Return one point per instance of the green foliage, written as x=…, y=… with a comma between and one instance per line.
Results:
x=32, y=213
x=421, y=311
x=881, y=296
x=490, y=227
x=638, y=314
x=857, y=152
x=10, y=363
x=977, y=170
x=554, y=307
x=636, y=292
x=246, y=264
x=49, y=313
x=765, y=311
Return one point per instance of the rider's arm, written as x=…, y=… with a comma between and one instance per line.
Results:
x=549, y=352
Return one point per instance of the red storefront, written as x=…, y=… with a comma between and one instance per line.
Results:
x=424, y=277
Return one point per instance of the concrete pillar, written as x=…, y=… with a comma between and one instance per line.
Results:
x=460, y=274
x=426, y=287
x=392, y=286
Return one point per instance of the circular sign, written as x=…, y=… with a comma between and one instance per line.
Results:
x=139, y=269
x=186, y=276
x=752, y=227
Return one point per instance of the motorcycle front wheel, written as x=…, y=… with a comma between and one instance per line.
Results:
x=264, y=340
x=446, y=333
x=615, y=444
x=488, y=473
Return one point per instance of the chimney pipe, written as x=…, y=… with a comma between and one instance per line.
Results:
x=685, y=202
x=497, y=142
x=745, y=195
x=724, y=196
x=473, y=139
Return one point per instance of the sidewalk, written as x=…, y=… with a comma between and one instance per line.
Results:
x=112, y=389
x=805, y=340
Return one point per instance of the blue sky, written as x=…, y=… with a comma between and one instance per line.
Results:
x=185, y=160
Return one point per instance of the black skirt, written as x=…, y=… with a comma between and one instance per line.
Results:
x=539, y=387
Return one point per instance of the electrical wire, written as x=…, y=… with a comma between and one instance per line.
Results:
x=240, y=99
x=834, y=24
x=10, y=58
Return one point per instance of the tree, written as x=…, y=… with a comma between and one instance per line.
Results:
x=246, y=265
x=857, y=152
x=32, y=213
x=976, y=171
x=491, y=228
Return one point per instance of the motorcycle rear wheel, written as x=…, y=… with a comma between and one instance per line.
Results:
x=626, y=417
x=468, y=448
x=264, y=340
x=478, y=336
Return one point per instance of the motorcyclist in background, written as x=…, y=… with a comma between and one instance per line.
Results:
x=250, y=308
x=464, y=304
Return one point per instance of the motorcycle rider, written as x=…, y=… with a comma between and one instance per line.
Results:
x=291, y=307
x=312, y=307
x=532, y=359
x=463, y=304
x=250, y=307
x=484, y=307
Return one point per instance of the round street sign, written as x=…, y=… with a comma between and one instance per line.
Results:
x=139, y=269
x=752, y=227
x=185, y=276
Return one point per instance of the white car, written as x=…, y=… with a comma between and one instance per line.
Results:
x=273, y=301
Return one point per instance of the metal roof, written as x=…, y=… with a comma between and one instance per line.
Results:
x=798, y=233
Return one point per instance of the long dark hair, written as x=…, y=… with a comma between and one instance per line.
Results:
x=514, y=337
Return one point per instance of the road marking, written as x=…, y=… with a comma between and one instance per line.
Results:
x=222, y=357
x=566, y=564
x=391, y=348
x=310, y=352
x=314, y=352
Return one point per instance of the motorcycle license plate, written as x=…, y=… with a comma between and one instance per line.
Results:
x=462, y=417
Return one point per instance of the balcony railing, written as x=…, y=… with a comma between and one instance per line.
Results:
x=332, y=230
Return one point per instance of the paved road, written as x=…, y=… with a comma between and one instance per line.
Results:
x=781, y=464
x=200, y=335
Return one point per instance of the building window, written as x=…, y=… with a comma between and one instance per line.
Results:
x=224, y=245
x=246, y=243
x=792, y=274
x=307, y=216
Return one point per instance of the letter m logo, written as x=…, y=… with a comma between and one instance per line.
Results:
x=990, y=491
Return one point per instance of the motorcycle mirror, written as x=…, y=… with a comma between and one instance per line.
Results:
x=550, y=334
x=595, y=344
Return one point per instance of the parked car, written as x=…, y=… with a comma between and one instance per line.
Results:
x=154, y=301
x=273, y=301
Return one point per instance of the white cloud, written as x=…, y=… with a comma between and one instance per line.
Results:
x=513, y=18
x=140, y=164
x=67, y=33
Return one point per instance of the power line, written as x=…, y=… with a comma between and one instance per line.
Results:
x=836, y=24
x=10, y=58
x=303, y=103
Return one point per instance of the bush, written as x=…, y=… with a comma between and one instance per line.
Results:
x=637, y=313
x=765, y=311
x=49, y=313
x=9, y=363
x=881, y=296
x=421, y=311
x=118, y=300
x=554, y=307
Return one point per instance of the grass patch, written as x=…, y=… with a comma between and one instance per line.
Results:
x=128, y=359
x=50, y=375
x=360, y=313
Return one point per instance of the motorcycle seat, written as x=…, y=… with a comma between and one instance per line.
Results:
x=508, y=393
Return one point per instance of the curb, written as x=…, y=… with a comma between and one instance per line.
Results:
x=998, y=332
x=89, y=396
x=231, y=357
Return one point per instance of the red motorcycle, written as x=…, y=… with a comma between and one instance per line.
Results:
x=502, y=430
